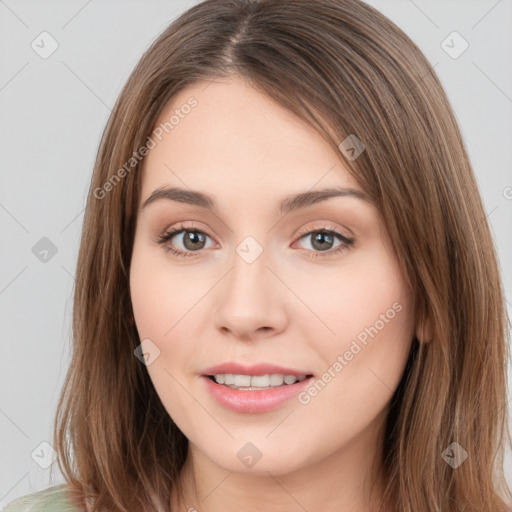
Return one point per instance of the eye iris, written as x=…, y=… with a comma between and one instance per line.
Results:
x=193, y=237
x=319, y=238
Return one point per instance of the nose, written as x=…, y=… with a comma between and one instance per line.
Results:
x=250, y=300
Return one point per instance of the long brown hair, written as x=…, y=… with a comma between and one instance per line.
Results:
x=347, y=70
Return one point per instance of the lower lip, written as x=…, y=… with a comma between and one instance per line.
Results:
x=254, y=401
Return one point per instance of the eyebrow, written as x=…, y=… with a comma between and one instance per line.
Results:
x=288, y=204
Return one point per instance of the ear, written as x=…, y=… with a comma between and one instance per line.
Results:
x=424, y=330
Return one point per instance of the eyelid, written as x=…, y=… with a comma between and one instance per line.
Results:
x=324, y=226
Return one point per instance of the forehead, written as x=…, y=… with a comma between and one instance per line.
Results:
x=235, y=138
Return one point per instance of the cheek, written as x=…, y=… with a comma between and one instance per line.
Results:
x=366, y=310
x=161, y=293
x=168, y=300
x=344, y=301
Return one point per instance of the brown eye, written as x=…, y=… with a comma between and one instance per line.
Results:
x=192, y=240
x=322, y=241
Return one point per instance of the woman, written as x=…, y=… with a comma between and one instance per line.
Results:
x=224, y=357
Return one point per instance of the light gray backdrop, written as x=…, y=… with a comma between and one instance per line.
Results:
x=62, y=65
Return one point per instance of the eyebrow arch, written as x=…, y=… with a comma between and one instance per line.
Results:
x=288, y=204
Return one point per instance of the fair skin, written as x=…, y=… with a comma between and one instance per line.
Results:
x=287, y=307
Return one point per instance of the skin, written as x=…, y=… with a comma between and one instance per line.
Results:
x=287, y=307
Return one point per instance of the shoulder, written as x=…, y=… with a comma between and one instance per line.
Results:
x=53, y=499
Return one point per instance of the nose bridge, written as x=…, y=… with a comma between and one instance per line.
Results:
x=249, y=295
x=249, y=270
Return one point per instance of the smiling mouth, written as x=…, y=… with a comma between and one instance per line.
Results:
x=257, y=382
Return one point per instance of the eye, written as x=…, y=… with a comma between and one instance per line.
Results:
x=193, y=240
x=323, y=240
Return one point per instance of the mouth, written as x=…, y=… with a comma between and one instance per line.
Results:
x=251, y=394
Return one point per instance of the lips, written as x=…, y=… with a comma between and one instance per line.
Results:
x=252, y=400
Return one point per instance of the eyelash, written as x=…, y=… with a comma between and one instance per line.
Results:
x=347, y=243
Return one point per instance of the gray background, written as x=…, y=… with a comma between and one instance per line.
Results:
x=52, y=114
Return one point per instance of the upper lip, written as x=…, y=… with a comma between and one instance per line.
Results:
x=254, y=369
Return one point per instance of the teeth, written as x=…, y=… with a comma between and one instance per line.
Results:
x=256, y=381
x=242, y=380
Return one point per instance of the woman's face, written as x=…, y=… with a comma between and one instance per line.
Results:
x=310, y=285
